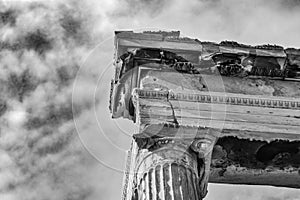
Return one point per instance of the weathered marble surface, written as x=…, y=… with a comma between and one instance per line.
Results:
x=238, y=128
x=178, y=82
x=257, y=119
x=260, y=144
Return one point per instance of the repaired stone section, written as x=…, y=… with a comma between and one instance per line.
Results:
x=191, y=83
x=172, y=80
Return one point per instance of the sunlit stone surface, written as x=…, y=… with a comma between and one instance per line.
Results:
x=207, y=112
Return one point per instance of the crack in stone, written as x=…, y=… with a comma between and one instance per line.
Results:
x=175, y=121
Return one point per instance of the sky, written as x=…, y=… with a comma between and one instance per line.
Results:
x=57, y=139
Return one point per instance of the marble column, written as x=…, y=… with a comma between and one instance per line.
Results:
x=168, y=173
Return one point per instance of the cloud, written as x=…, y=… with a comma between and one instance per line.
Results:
x=41, y=47
x=254, y=22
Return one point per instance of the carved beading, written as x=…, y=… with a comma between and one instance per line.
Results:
x=218, y=99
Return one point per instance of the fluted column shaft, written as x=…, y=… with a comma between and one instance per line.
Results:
x=168, y=174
